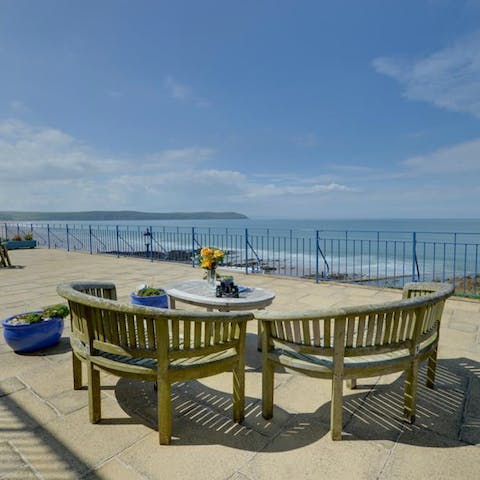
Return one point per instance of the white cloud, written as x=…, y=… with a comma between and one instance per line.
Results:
x=34, y=153
x=45, y=168
x=449, y=78
x=30, y=153
x=179, y=157
x=272, y=190
x=184, y=93
x=177, y=90
x=460, y=159
x=49, y=164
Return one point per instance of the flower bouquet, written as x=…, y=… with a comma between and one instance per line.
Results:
x=209, y=259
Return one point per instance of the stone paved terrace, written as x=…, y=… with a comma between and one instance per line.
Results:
x=45, y=433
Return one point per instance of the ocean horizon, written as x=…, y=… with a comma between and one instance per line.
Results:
x=437, y=225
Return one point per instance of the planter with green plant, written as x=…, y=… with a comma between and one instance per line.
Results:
x=149, y=297
x=30, y=331
x=18, y=242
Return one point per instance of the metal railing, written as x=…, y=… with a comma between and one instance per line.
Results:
x=384, y=258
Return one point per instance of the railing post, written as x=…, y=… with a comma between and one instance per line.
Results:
x=118, y=241
x=147, y=239
x=48, y=234
x=90, y=239
x=454, y=258
x=246, y=251
x=151, y=241
x=289, y=271
x=414, y=254
x=346, y=254
x=193, y=247
x=6, y=231
x=68, y=240
x=317, y=246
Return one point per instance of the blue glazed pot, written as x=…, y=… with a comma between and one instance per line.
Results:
x=25, y=338
x=158, y=301
x=15, y=244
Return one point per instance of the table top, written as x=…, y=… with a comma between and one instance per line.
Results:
x=197, y=292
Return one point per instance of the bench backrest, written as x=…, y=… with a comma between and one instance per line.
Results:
x=105, y=325
x=362, y=330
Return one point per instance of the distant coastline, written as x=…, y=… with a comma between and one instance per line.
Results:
x=118, y=215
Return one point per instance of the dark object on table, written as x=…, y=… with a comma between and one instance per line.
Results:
x=227, y=289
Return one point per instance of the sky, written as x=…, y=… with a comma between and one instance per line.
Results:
x=274, y=109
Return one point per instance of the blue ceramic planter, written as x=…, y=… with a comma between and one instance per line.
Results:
x=25, y=338
x=14, y=244
x=158, y=301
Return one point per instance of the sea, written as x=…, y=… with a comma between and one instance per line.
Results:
x=282, y=226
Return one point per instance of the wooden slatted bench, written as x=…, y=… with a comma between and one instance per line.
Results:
x=355, y=342
x=4, y=258
x=158, y=345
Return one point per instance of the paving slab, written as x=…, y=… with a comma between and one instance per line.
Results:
x=210, y=448
x=117, y=470
x=448, y=459
x=304, y=450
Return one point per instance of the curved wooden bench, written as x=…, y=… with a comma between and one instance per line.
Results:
x=4, y=258
x=355, y=342
x=158, y=345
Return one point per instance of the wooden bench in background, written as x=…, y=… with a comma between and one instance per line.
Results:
x=354, y=342
x=158, y=345
x=4, y=258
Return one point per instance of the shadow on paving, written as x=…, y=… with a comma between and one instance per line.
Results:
x=28, y=450
x=63, y=346
x=447, y=416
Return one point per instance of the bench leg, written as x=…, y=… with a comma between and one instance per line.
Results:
x=239, y=393
x=431, y=367
x=259, y=335
x=352, y=383
x=410, y=396
x=77, y=372
x=267, y=389
x=94, y=401
x=164, y=395
x=336, y=416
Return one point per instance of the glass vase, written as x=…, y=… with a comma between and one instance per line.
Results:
x=212, y=278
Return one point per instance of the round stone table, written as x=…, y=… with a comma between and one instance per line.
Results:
x=197, y=292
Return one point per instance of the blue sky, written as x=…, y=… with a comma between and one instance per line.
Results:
x=281, y=109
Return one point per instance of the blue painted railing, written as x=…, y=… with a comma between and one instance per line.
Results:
x=385, y=258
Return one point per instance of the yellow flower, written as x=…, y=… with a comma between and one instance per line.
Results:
x=210, y=257
x=206, y=263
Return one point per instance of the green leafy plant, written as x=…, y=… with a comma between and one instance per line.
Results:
x=146, y=291
x=28, y=236
x=28, y=318
x=225, y=278
x=59, y=310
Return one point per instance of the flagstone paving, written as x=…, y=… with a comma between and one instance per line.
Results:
x=45, y=433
